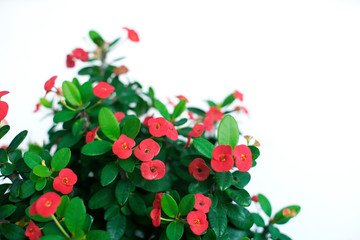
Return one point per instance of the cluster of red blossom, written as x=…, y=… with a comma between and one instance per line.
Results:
x=196, y=219
x=4, y=107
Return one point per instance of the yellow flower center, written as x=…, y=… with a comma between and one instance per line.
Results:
x=124, y=146
x=197, y=222
x=65, y=180
x=222, y=158
x=48, y=203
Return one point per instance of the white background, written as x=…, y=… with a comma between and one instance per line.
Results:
x=297, y=63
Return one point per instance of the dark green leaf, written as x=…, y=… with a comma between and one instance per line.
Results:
x=131, y=127
x=96, y=38
x=6, y=210
x=197, y=111
x=122, y=191
x=223, y=180
x=255, y=152
x=78, y=127
x=200, y=187
x=240, y=217
x=92, y=70
x=127, y=165
x=75, y=215
x=42, y=171
x=3, y=155
x=175, y=230
x=265, y=204
x=240, y=196
x=88, y=222
x=108, y=124
x=114, y=42
x=96, y=148
x=12, y=231
x=162, y=109
x=27, y=189
x=204, y=147
x=53, y=237
x=101, y=198
x=51, y=229
x=63, y=116
x=4, y=130
x=186, y=204
x=137, y=204
x=7, y=169
x=181, y=122
x=17, y=141
x=210, y=235
x=60, y=211
x=116, y=226
x=258, y=220
x=71, y=93
x=109, y=173
x=211, y=103
x=228, y=100
x=112, y=212
x=228, y=131
x=179, y=109
x=169, y=205
x=40, y=184
x=61, y=159
x=32, y=159
x=241, y=179
x=218, y=220
x=274, y=231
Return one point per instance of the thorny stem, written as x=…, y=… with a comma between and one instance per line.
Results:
x=60, y=227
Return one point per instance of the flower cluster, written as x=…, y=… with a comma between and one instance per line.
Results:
x=159, y=127
x=77, y=53
x=223, y=160
x=197, y=219
x=155, y=214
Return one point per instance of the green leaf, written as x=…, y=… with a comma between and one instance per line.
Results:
x=210, y=235
x=75, y=215
x=32, y=159
x=228, y=100
x=27, y=189
x=197, y=111
x=86, y=91
x=61, y=159
x=175, y=230
x=131, y=127
x=265, y=204
x=116, y=226
x=241, y=179
x=204, y=147
x=12, y=231
x=223, y=180
x=137, y=204
x=162, y=109
x=51, y=229
x=96, y=38
x=211, y=103
x=37, y=217
x=180, y=122
x=42, y=171
x=109, y=173
x=122, y=191
x=92, y=70
x=6, y=210
x=61, y=209
x=240, y=217
x=71, y=93
x=218, y=220
x=255, y=152
x=186, y=204
x=45, y=103
x=108, y=124
x=40, y=184
x=200, y=186
x=258, y=220
x=179, y=109
x=101, y=198
x=88, y=222
x=4, y=130
x=96, y=148
x=127, y=165
x=169, y=205
x=112, y=212
x=228, y=131
x=53, y=237
x=240, y=196
x=281, y=219
x=274, y=231
x=17, y=141
x=114, y=42
x=3, y=156
x=78, y=127
x=63, y=116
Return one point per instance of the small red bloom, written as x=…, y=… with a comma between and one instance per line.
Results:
x=157, y=201
x=208, y=123
x=147, y=150
x=3, y=93
x=103, y=90
x=90, y=136
x=155, y=215
x=197, y=221
x=255, y=198
x=238, y=95
x=158, y=127
x=214, y=113
x=80, y=54
x=171, y=102
x=4, y=108
x=222, y=160
x=171, y=132
x=132, y=35
x=49, y=84
x=243, y=158
x=199, y=170
x=244, y=110
x=197, y=130
x=286, y=212
x=181, y=97
x=46, y=204
x=37, y=107
x=65, y=181
x=70, y=63
x=32, y=231
x=191, y=116
x=146, y=120
x=153, y=170
x=202, y=203
x=119, y=116
x=123, y=147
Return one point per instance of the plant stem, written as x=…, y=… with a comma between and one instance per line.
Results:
x=167, y=220
x=60, y=227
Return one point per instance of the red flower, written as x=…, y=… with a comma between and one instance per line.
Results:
x=214, y=113
x=70, y=63
x=146, y=120
x=158, y=127
x=80, y=54
x=90, y=136
x=65, y=181
x=171, y=102
x=157, y=201
x=155, y=215
x=37, y=107
x=3, y=93
x=245, y=110
x=238, y=95
x=199, y=170
x=123, y=147
x=46, y=204
x=191, y=116
x=103, y=90
x=197, y=130
x=4, y=108
x=222, y=160
x=132, y=35
x=32, y=231
x=171, y=132
x=147, y=150
x=243, y=158
x=202, y=203
x=208, y=123
x=49, y=84
x=181, y=97
x=153, y=170
x=255, y=198
x=197, y=221
x=119, y=116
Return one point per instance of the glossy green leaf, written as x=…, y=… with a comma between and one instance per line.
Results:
x=108, y=124
x=241, y=179
x=201, y=186
x=86, y=91
x=101, y=198
x=3, y=156
x=240, y=217
x=274, y=231
x=40, y=184
x=223, y=180
x=122, y=191
x=12, y=232
x=17, y=141
x=127, y=165
x=218, y=220
x=92, y=70
x=210, y=235
x=98, y=235
x=32, y=159
x=75, y=215
x=61, y=209
x=78, y=127
x=61, y=159
x=255, y=152
x=169, y=205
x=137, y=204
x=6, y=210
x=4, y=130
x=258, y=220
x=27, y=189
x=228, y=100
x=162, y=109
x=96, y=38
x=281, y=219
x=51, y=229
x=44, y=102
x=53, y=237
x=204, y=147
x=109, y=173
x=175, y=230
x=112, y=212
x=265, y=204
x=240, y=196
x=179, y=109
x=42, y=171
x=186, y=204
x=228, y=131
x=197, y=111
x=71, y=93
x=7, y=169
x=116, y=226
x=131, y=127
x=88, y=222
x=96, y=148
x=63, y=116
